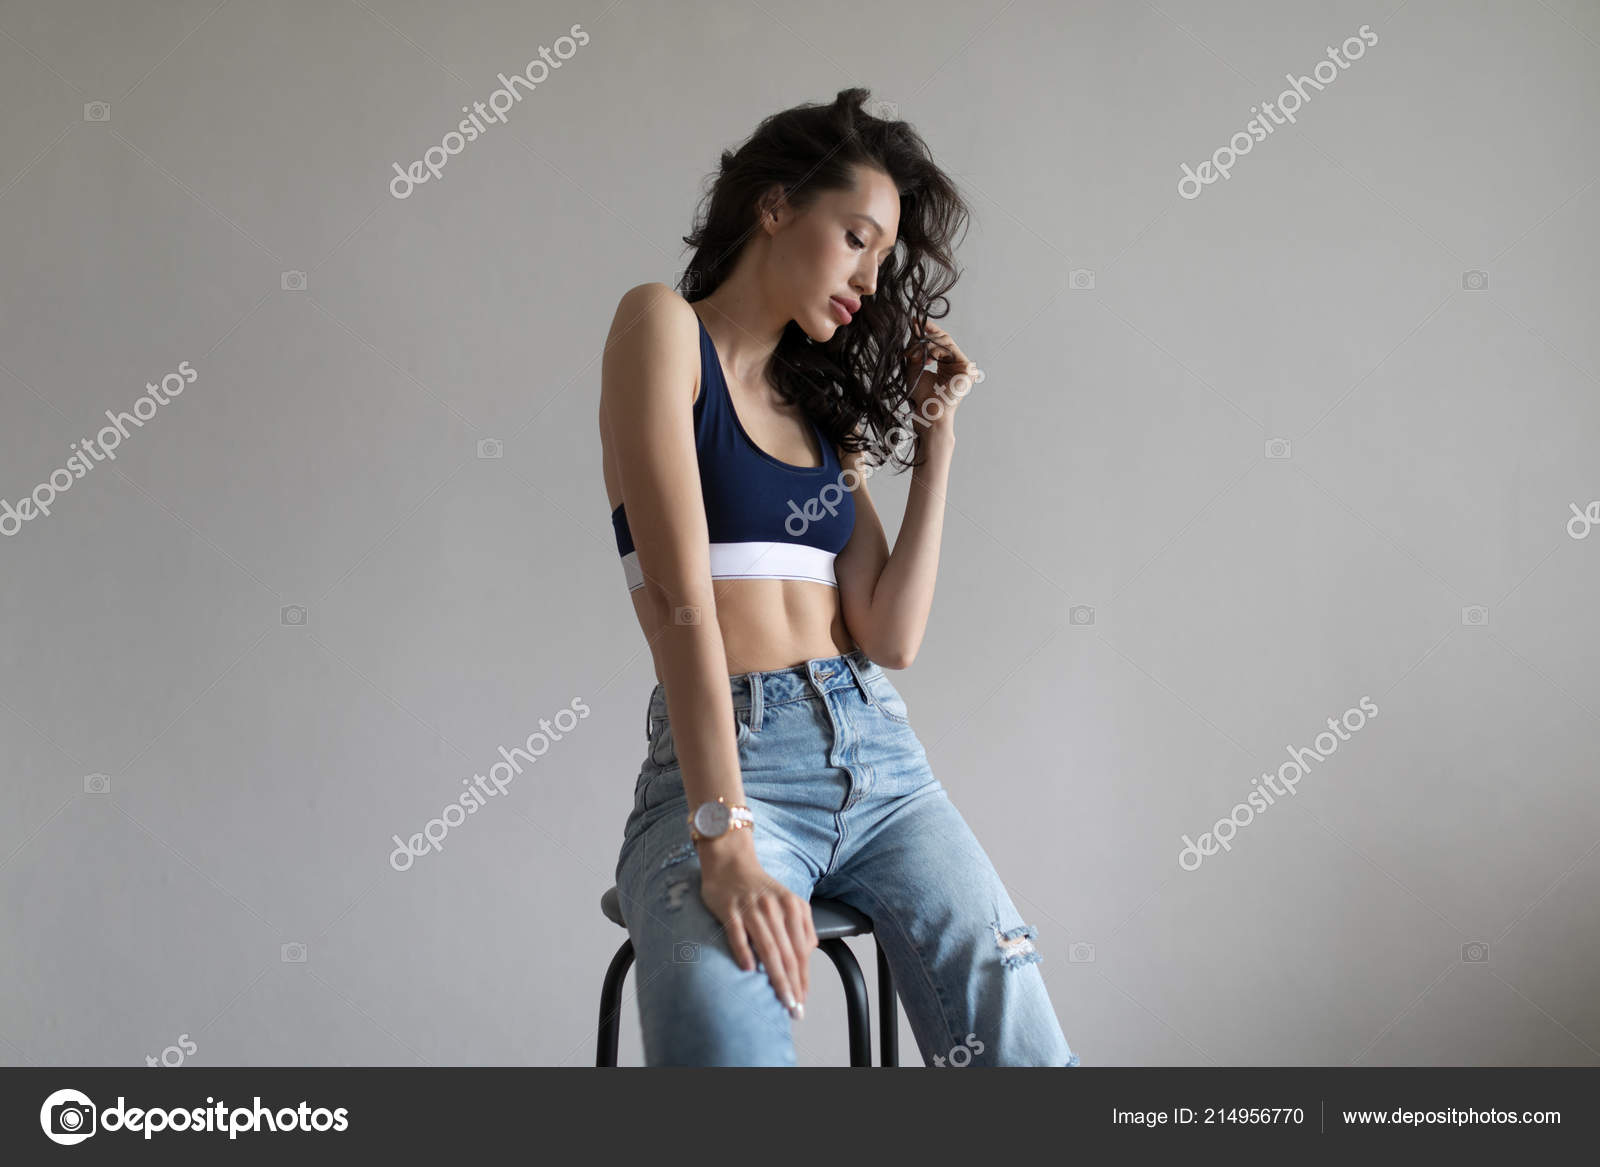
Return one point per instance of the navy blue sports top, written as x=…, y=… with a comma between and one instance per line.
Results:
x=766, y=519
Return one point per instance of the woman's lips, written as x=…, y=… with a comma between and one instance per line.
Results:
x=839, y=310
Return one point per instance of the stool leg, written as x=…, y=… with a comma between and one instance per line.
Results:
x=888, y=1013
x=611, y=1004
x=855, y=999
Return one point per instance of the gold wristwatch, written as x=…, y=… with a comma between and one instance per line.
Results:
x=712, y=820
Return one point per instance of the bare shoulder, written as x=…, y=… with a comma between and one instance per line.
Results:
x=654, y=334
x=652, y=354
x=655, y=296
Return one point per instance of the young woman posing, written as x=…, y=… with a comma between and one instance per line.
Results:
x=739, y=418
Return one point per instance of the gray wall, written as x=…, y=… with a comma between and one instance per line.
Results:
x=1117, y=463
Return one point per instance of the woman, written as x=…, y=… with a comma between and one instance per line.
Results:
x=738, y=422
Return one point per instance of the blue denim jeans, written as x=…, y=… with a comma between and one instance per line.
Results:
x=845, y=806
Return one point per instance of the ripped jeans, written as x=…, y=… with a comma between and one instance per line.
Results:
x=845, y=806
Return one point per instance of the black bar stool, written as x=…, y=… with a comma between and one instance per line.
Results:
x=833, y=921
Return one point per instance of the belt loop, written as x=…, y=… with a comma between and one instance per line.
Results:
x=855, y=669
x=754, y=680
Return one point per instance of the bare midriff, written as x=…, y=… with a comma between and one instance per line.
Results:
x=767, y=623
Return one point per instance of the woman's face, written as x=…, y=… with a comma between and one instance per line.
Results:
x=835, y=249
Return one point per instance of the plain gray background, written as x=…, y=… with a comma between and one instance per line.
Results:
x=1440, y=429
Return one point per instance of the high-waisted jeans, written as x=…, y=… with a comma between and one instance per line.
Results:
x=845, y=806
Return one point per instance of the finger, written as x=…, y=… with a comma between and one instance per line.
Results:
x=780, y=941
x=798, y=929
x=739, y=942
x=767, y=949
x=788, y=914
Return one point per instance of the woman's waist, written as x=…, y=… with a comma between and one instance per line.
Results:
x=811, y=676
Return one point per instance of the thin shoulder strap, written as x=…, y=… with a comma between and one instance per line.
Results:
x=709, y=367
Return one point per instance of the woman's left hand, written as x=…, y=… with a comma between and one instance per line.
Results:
x=937, y=384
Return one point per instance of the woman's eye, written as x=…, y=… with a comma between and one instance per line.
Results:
x=857, y=243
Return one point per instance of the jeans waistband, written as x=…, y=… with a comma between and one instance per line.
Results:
x=757, y=690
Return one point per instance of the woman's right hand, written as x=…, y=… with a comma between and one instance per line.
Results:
x=757, y=911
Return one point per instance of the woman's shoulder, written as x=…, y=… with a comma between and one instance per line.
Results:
x=656, y=298
x=655, y=337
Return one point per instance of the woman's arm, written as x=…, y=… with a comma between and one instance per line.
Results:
x=887, y=596
x=647, y=381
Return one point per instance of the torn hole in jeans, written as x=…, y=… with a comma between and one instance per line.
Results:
x=1016, y=945
x=678, y=888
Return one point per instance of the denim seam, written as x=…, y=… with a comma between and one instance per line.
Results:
x=838, y=844
x=769, y=703
x=886, y=917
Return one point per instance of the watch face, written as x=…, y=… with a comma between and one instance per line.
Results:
x=712, y=818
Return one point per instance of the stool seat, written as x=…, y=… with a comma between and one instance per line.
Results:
x=833, y=919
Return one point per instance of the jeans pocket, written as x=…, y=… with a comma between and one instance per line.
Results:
x=663, y=753
x=886, y=697
x=661, y=756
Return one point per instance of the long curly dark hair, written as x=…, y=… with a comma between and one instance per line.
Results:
x=859, y=373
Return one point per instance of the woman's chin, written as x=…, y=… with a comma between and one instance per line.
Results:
x=823, y=329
